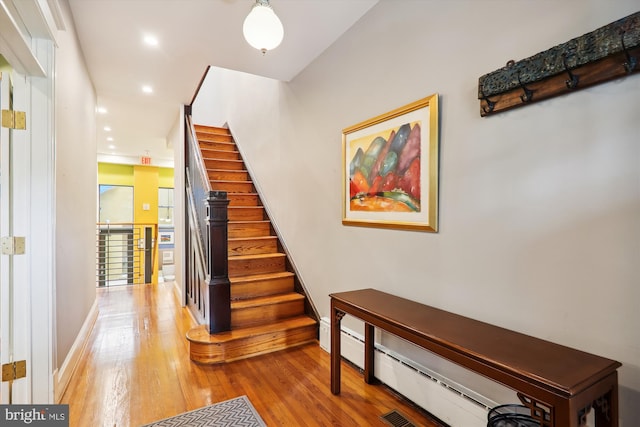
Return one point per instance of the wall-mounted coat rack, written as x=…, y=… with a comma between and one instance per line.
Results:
x=610, y=52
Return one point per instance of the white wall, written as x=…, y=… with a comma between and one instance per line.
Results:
x=76, y=184
x=176, y=140
x=539, y=206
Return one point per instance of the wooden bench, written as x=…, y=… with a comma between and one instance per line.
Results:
x=559, y=384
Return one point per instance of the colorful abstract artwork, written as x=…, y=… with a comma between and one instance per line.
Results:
x=390, y=169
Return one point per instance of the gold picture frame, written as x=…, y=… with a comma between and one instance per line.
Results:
x=390, y=169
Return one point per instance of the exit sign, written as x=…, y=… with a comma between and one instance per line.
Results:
x=145, y=160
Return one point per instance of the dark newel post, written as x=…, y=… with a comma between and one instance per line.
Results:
x=219, y=285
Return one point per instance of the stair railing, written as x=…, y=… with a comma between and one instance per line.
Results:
x=208, y=288
x=126, y=253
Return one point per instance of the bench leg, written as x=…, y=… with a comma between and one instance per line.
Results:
x=369, y=345
x=606, y=409
x=336, y=317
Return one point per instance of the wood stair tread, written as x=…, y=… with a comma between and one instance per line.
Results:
x=259, y=277
x=222, y=181
x=226, y=170
x=203, y=139
x=209, y=150
x=257, y=256
x=229, y=194
x=247, y=239
x=266, y=300
x=209, y=128
x=250, y=222
x=199, y=334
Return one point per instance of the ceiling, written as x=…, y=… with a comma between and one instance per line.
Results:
x=192, y=34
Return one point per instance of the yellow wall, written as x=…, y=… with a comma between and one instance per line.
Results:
x=165, y=177
x=145, y=194
x=111, y=174
x=145, y=181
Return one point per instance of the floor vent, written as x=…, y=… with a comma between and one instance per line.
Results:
x=396, y=419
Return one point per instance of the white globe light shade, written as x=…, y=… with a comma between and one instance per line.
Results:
x=262, y=28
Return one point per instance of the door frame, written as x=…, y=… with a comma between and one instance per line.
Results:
x=33, y=211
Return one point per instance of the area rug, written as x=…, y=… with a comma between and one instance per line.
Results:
x=238, y=412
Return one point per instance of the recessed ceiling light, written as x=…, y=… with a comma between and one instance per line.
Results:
x=101, y=110
x=147, y=89
x=111, y=147
x=150, y=40
x=109, y=138
x=107, y=129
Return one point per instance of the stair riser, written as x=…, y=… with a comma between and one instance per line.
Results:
x=220, y=155
x=213, y=137
x=253, y=247
x=227, y=175
x=243, y=199
x=219, y=146
x=246, y=267
x=211, y=129
x=232, y=187
x=264, y=314
x=251, y=346
x=249, y=230
x=246, y=213
x=245, y=290
x=223, y=164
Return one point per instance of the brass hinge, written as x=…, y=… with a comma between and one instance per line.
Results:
x=14, y=119
x=13, y=371
x=12, y=245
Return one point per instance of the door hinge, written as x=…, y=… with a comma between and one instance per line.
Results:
x=14, y=119
x=13, y=371
x=13, y=245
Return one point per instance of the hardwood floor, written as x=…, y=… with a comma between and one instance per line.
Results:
x=136, y=369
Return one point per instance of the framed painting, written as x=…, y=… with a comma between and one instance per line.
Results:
x=390, y=169
x=166, y=237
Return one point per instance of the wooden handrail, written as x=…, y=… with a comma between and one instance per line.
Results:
x=195, y=95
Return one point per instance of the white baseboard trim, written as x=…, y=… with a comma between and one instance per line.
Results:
x=62, y=376
x=177, y=289
x=451, y=402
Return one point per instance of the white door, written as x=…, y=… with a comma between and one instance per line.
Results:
x=15, y=322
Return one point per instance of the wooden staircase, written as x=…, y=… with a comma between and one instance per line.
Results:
x=267, y=312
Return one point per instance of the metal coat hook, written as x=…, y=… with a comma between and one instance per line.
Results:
x=631, y=63
x=490, y=104
x=573, y=79
x=528, y=93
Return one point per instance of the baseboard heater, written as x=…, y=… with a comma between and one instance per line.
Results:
x=451, y=402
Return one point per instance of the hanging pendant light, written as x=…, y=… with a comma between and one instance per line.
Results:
x=262, y=28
